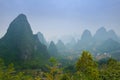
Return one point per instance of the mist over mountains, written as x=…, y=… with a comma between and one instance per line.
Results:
x=20, y=46
x=60, y=40
x=103, y=41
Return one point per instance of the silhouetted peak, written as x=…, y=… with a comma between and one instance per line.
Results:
x=20, y=24
x=20, y=42
x=100, y=30
x=52, y=46
x=52, y=49
x=87, y=32
x=20, y=20
x=101, y=34
x=21, y=17
x=60, y=43
x=41, y=38
x=86, y=35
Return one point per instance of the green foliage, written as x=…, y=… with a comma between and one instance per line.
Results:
x=53, y=60
x=87, y=69
x=55, y=71
x=66, y=77
x=87, y=66
x=111, y=71
x=9, y=73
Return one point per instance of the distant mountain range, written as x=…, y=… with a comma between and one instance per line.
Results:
x=102, y=35
x=102, y=41
x=20, y=46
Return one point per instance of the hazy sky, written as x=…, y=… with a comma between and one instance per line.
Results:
x=62, y=17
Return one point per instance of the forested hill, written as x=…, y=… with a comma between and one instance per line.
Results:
x=19, y=45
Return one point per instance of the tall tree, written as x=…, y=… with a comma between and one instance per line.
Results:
x=87, y=66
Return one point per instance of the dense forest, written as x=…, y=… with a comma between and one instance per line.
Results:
x=86, y=68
